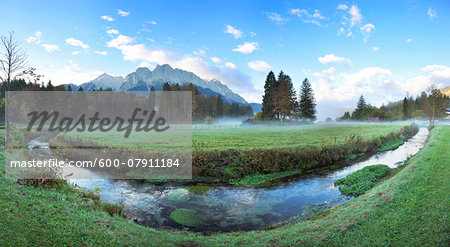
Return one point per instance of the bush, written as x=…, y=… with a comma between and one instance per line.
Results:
x=209, y=120
x=114, y=209
x=361, y=181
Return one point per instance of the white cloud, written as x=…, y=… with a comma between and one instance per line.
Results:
x=366, y=30
x=230, y=65
x=355, y=15
x=107, y=18
x=252, y=34
x=112, y=31
x=342, y=7
x=330, y=70
x=233, y=31
x=50, y=48
x=275, y=17
x=122, y=13
x=260, y=66
x=409, y=40
x=247, y=47
x=75, y=53
x=71, y=73
x=431, y=13
x=119, y=41
x=375, y=48
x=331, y=58
x=151, y=22
x=200, y=52
x=216, y=59
x=351, y=20
x=36, y=38
x=75, y=42
x=104, y=53
x=234, y=79
x=307, y=17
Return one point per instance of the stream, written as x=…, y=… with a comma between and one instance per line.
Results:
x=226, y=209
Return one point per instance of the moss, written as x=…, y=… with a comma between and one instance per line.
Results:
x=199, y=189
x=264, y=179
x=185, y=217
x=391, y=145
x=362, y=180
x=178, y=195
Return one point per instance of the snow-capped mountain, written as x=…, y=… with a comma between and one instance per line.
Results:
x=104, y=81
x=143, y=78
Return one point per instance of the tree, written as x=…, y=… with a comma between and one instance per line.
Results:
x=284, y=97
x=307, y=102
x=268, y=97
x=13, y=60
x=13, y=63
x=434, y=104
x=219, y=107
x=405, y=109
x=360, y=108
x=50, y=87
x=346, y=116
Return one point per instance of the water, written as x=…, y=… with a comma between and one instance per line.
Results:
x=231, y=209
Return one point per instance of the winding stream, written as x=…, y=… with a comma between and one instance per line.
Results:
x=232, y=209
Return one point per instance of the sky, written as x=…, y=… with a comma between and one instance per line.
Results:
x=383, y=50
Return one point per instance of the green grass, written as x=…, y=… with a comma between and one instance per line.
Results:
x=408, y=209
x=391, y=145
x=362, y=180
x=248, y=137
x=199, y=189
x=264, y=179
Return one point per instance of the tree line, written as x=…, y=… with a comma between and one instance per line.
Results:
x=430, y=104
x=281, y=102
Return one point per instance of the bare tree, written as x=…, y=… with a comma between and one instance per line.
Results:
x=13, y=63
x=13, y=60
x=434, y=103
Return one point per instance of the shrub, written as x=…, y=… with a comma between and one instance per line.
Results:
x=113, y=209
x=362, y=180
x=209, y=120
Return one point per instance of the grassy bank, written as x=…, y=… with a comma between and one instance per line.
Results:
x=408, y=209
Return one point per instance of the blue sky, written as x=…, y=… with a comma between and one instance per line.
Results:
x=381, y=49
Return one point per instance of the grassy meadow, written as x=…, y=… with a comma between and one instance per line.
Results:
x=245, y=138
x=408, y=208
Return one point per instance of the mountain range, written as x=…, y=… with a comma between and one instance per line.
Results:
x=143, y=79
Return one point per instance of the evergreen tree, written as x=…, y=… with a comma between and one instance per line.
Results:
x=219, y=106
x=405, y=109
x=360, y=108
x=285, y=97
x=80, y=89
x=267, y=104
x=307, y=102
x=152, y=99
x=50, y=87
x=69, y=88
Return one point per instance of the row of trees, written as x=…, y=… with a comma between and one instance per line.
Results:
x=208, y=106
x=429, y=104
x=280, y=101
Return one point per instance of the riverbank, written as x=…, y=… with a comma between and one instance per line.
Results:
x=408, y=209
x=284, y=153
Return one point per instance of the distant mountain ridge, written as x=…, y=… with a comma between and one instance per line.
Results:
x=165, y=73
x=445, y=91
x=143, y=79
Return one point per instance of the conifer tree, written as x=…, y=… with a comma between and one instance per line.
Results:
x=307, y=101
